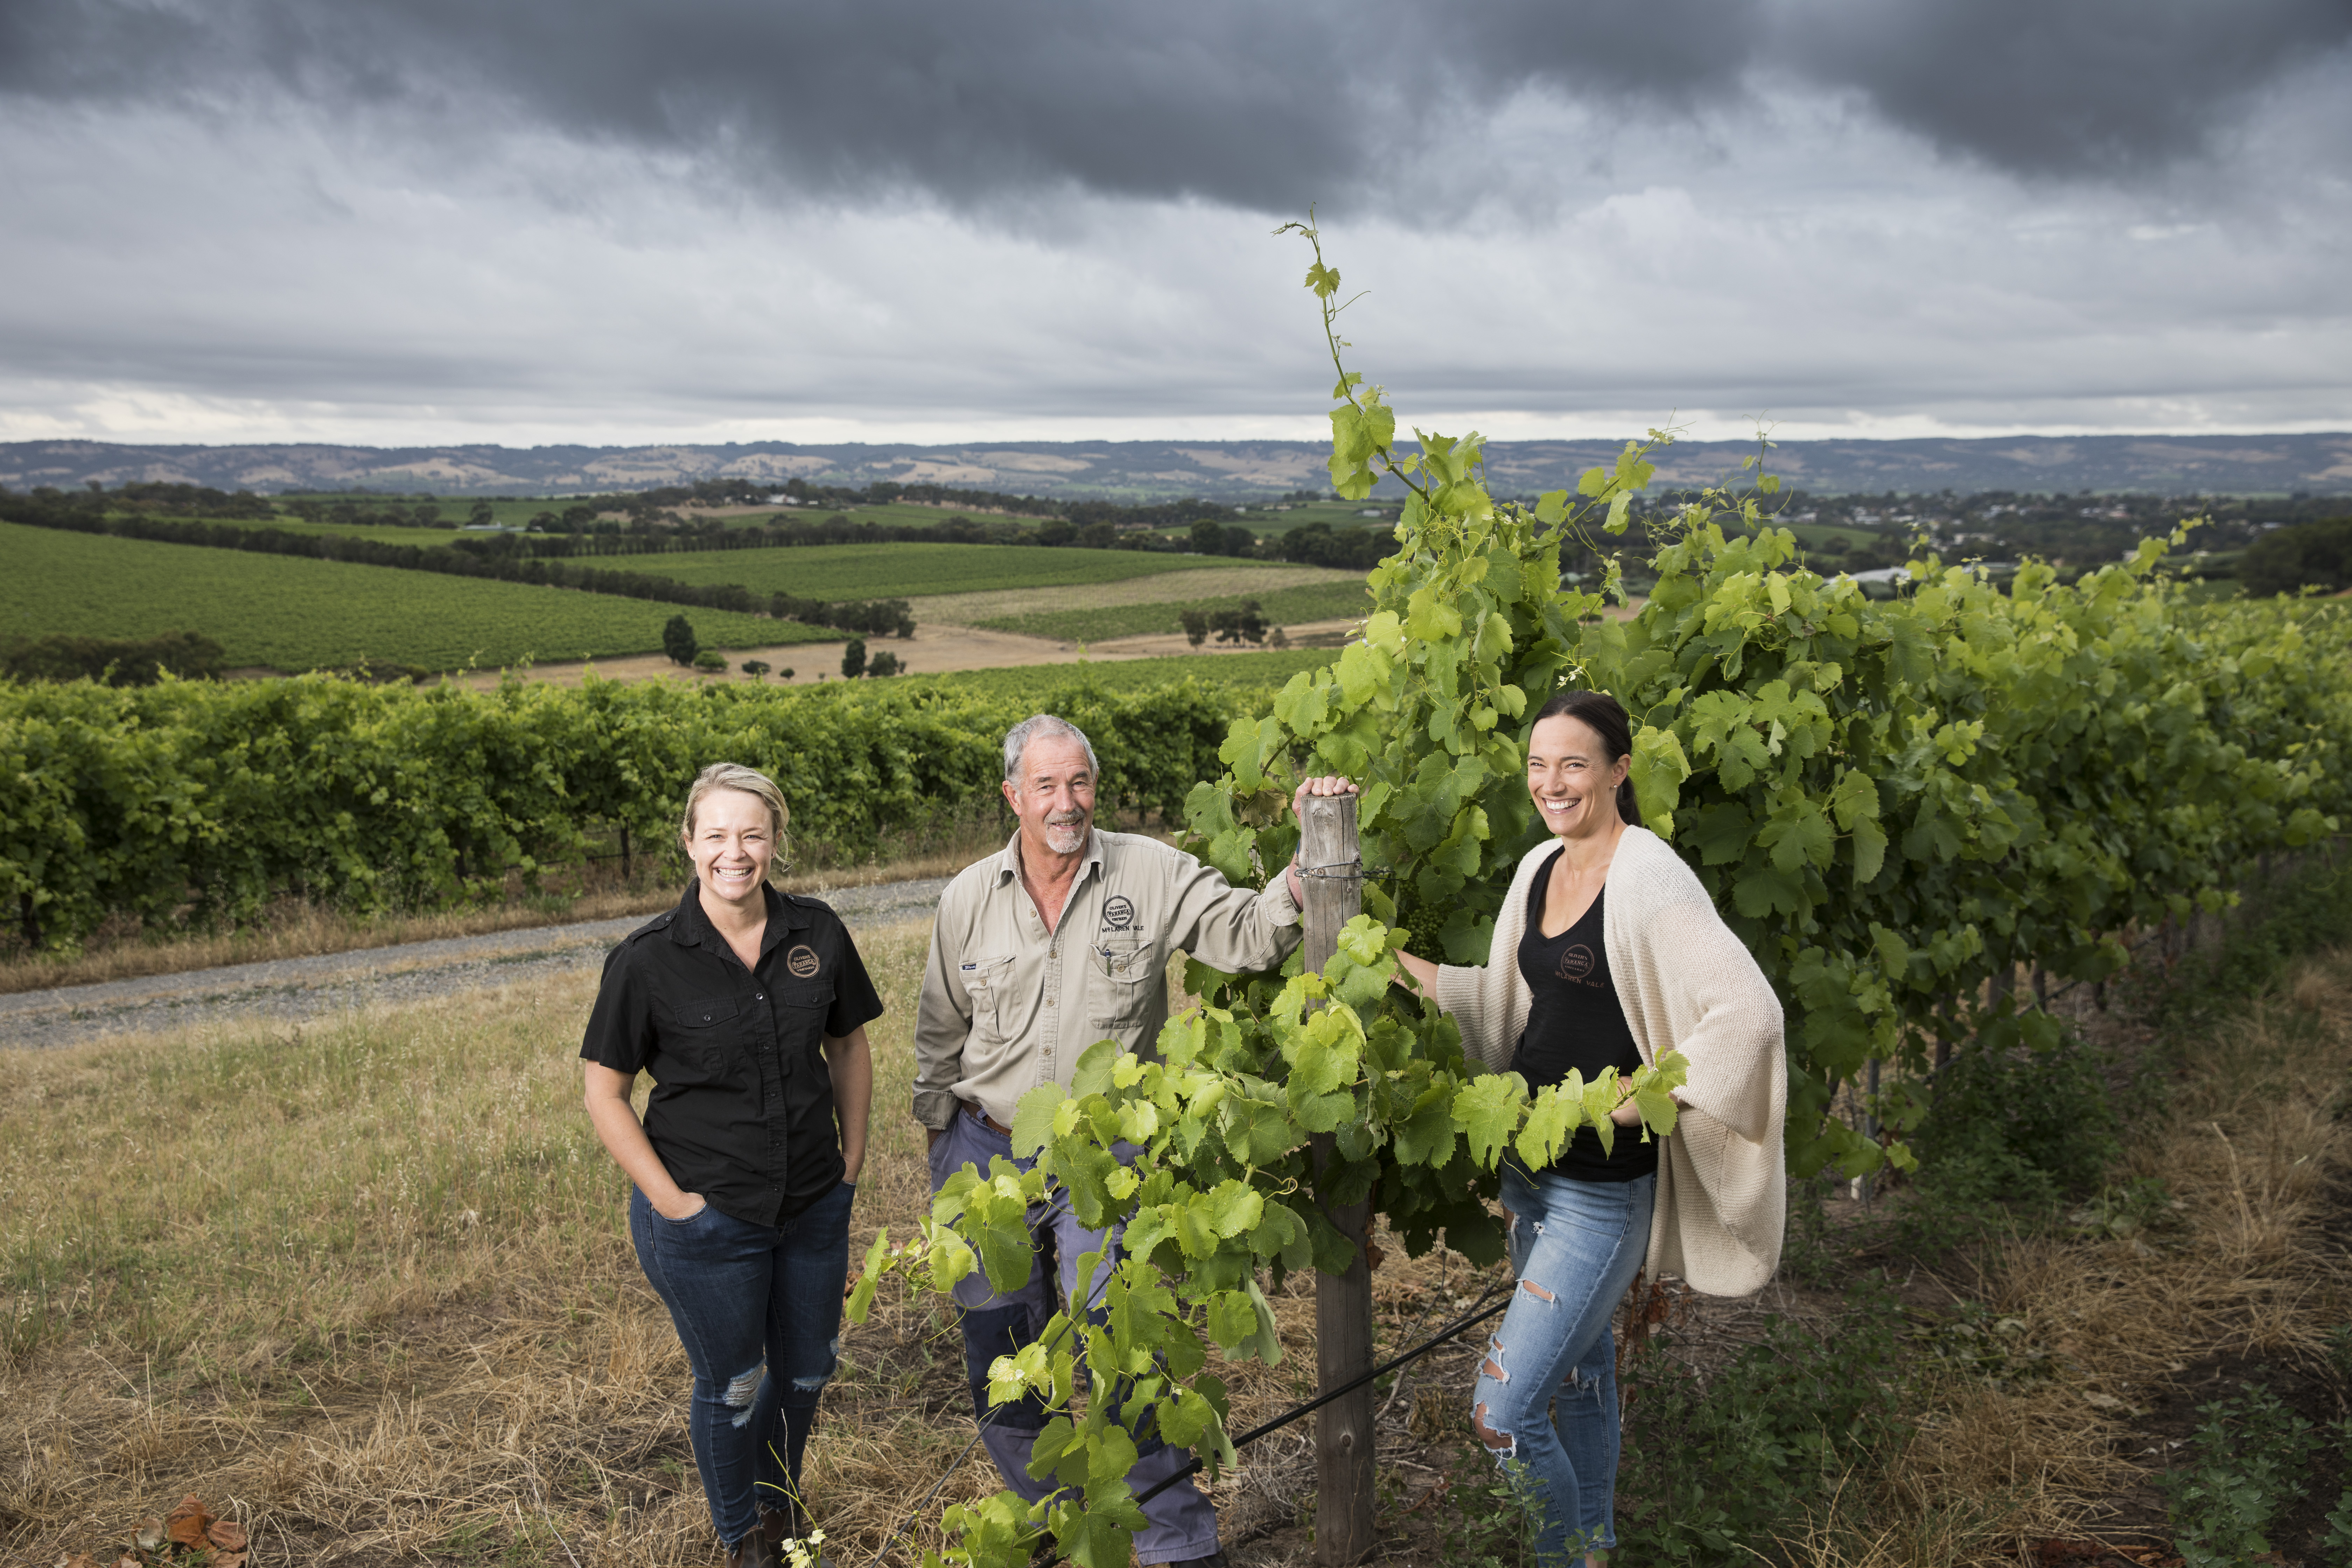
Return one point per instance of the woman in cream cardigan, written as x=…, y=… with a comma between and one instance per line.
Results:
x=1608, y=953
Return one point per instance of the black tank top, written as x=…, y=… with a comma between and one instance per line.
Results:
x=1576, y=1022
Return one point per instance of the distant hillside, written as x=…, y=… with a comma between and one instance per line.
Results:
x=1236, y=471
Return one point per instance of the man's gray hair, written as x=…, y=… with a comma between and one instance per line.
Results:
x=1017, y=739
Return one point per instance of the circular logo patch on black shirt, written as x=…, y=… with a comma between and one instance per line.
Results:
x=1119, y=913
x=802, y=962
x=1575, y=962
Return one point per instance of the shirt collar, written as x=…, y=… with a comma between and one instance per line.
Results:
x=690, y=927
x=1008, y=865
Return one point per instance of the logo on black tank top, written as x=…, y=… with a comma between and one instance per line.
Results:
x=1576, y=963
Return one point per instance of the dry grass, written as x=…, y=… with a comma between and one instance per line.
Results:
x=369, y=1284
x=2250, y=1142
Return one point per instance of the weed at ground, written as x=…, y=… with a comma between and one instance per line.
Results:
x=2021, y=1120
x=2247, y=1459
x=1714, y=1465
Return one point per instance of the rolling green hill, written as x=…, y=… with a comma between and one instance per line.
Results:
x=289, y=613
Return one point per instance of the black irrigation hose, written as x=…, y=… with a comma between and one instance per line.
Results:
x=1478, y=1314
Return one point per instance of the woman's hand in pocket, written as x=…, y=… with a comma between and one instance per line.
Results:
x=681, y=1208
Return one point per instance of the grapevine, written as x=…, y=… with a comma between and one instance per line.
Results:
x=1891, y=802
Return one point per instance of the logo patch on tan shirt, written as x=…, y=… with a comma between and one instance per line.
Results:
x=1119, y=913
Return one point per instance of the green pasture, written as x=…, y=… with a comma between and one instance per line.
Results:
x=1338, y=513
x=289, y=613
x=1245, y=671
x=1280, y=606
x=430, y=538
x=905, y=571
x=1815, y=534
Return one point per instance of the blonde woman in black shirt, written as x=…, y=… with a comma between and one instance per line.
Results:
x=749, y=1010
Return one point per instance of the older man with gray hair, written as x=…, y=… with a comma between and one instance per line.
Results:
x=1037, y=953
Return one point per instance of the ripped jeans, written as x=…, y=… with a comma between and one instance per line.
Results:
x=758, y=1308
x=1178, y=1524
x=1547, y=1391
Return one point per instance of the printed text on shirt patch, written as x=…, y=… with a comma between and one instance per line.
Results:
x=1118, y=914
x=802, y=961
x=1576, y=963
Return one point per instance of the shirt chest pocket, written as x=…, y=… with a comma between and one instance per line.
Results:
x=1127, y=978
x=800, y=1011
x=702, y=1035
x=983, y=987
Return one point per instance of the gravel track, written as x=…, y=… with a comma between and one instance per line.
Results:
x=292, y=989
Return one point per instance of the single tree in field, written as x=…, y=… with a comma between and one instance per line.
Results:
x=756, y=668
x=1280, y=638
x=885, y=663
x=481, y=516
x=785, y=673
x=1196, y=626
x=1208, y=539
x=853, y=659
x=710, y=661
x=678, y=641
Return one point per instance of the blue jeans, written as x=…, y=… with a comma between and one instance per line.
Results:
x=1180, y=1524
x=758, y=1308
x=1547, y=1392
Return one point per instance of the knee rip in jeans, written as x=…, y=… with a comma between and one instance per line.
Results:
x=1502, y=1445
x=741, y=1389
x=1493, y=1365
x=816, y=1382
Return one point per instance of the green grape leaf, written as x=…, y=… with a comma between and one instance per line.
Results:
x=878, y=1259
x=1487, y=1111
x=1425, y=1137
x=1233, y=1322
x=1032, y=1119
x=1554, y=1113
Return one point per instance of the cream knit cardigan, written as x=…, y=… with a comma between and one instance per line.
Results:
x=1686, y=984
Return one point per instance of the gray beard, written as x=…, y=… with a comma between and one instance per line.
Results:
x=1065, y=838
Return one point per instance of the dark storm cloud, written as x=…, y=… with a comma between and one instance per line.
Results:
x=1233, y=101
x=1236, y=102
x=2062, y=87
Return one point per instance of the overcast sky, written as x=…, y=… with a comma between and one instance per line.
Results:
x=394, y=221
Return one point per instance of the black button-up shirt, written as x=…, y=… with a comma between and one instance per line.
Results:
x=742, y=1107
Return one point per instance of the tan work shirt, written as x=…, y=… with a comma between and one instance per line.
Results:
x=1008, y=1004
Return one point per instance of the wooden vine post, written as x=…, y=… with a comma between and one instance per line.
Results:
x=1332, y=872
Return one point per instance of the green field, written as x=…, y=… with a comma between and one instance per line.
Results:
x=1815, y=534
x=1281, y=606
x=1265, y=671
x=904, y=571
x=289, y=613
